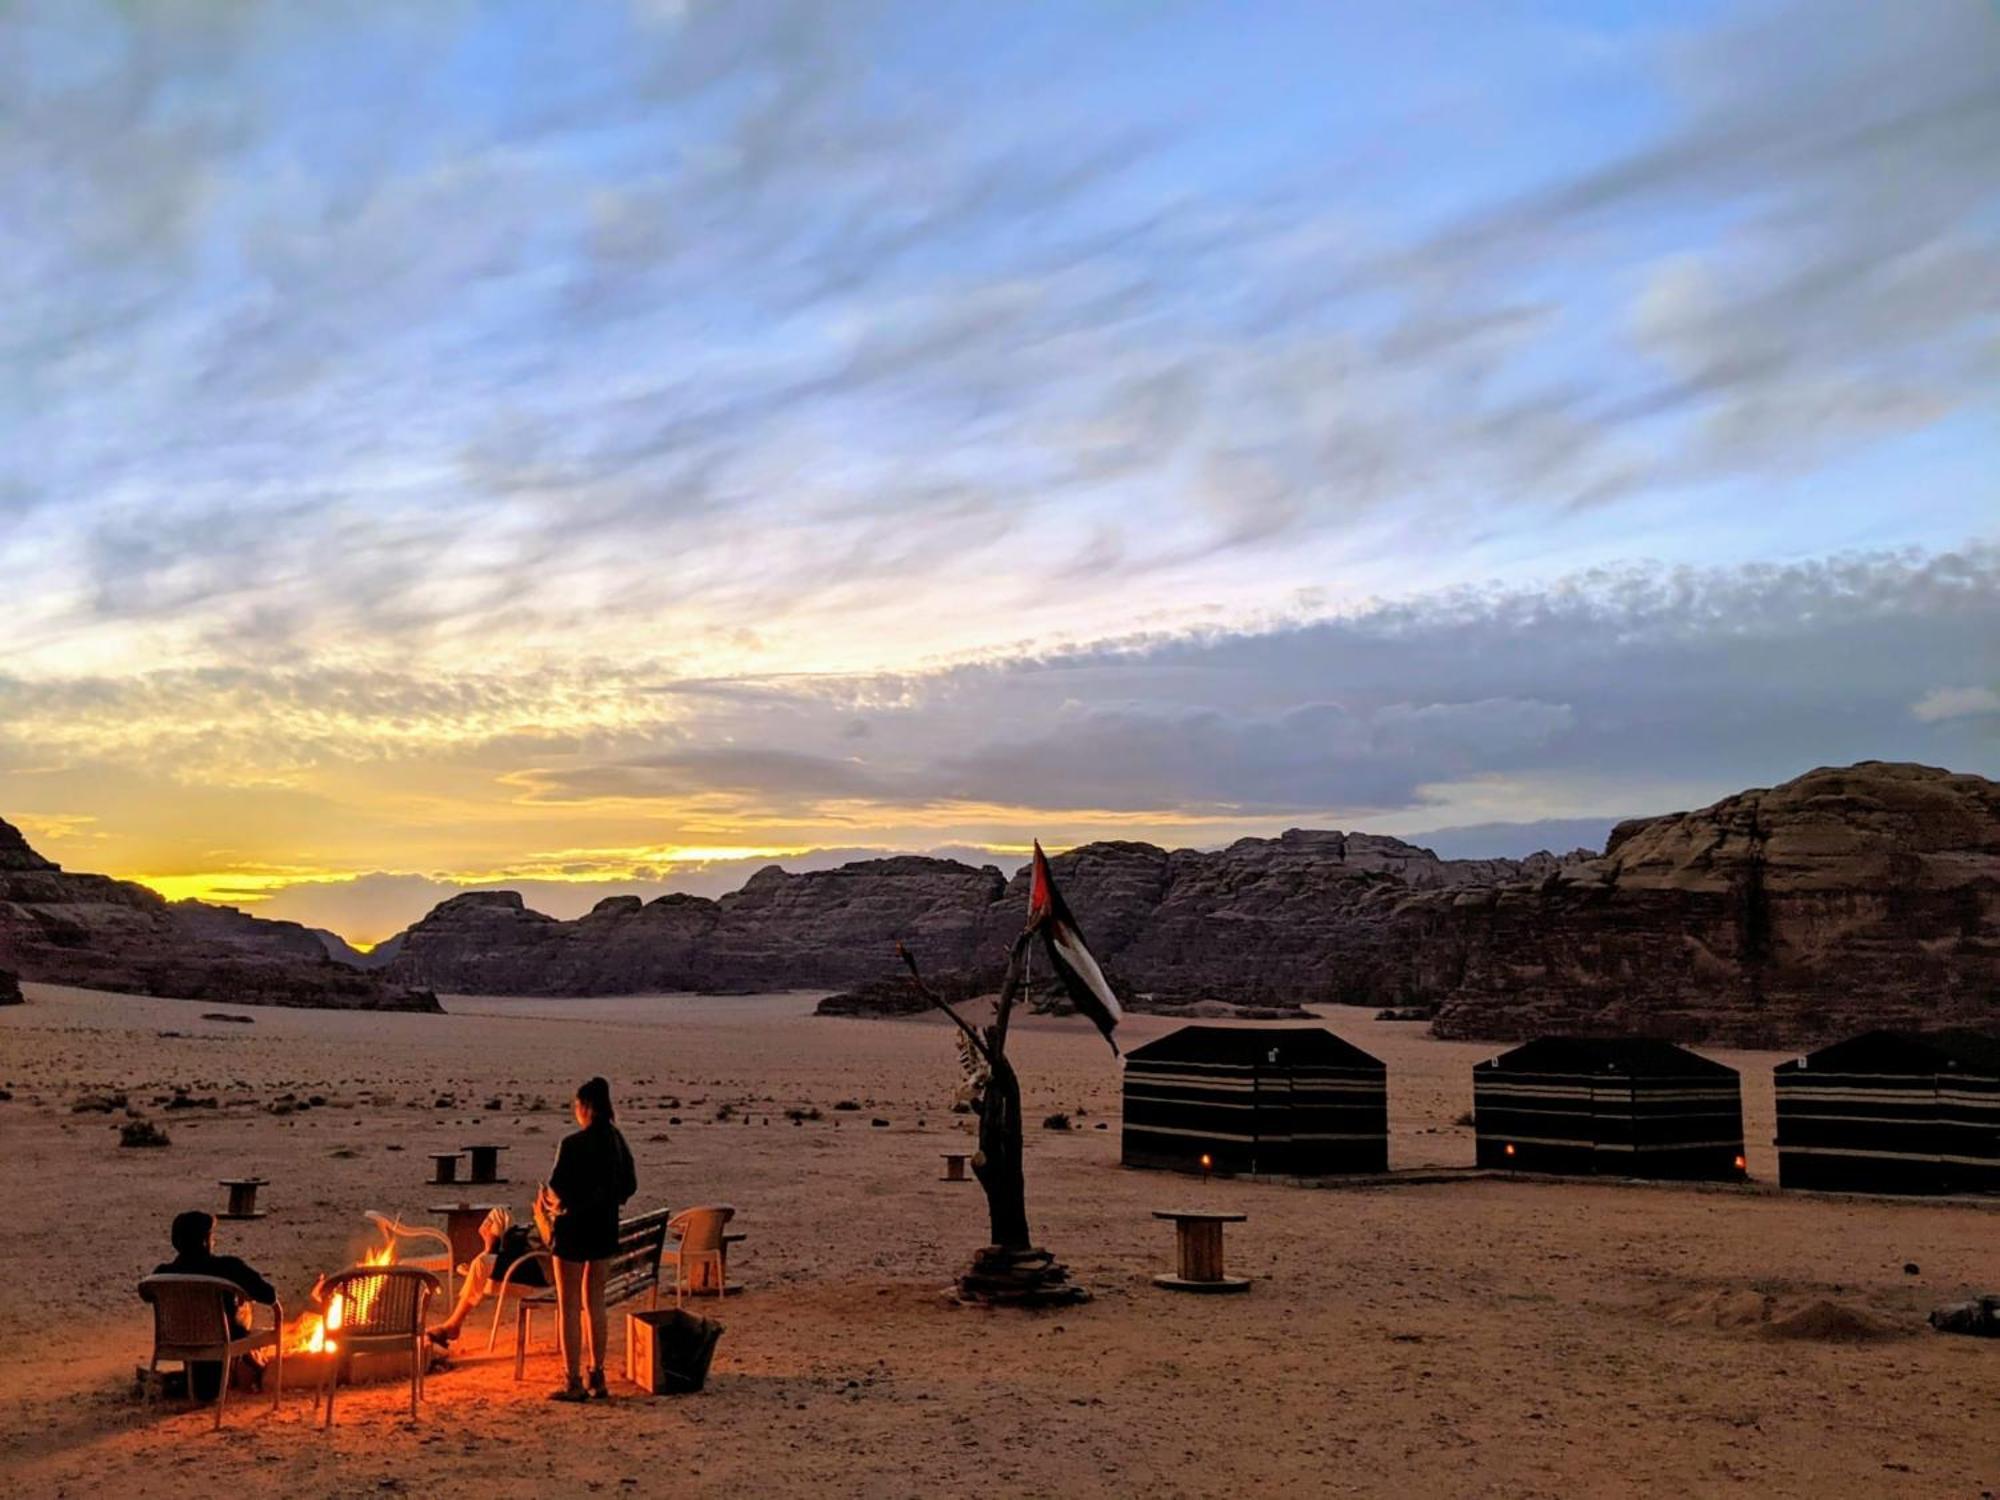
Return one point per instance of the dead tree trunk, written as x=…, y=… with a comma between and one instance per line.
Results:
x=998, y=1166
x=1010, y=1270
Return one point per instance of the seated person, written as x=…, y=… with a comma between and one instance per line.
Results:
x=505, y=1245
x=193, y=1237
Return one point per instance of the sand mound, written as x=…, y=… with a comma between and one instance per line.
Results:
x=1744, y=1309
x=1729, y=1309
x=1830, y=1321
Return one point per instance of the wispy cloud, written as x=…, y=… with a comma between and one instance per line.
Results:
x=435, y=434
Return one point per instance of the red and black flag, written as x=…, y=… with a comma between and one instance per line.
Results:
x=1068, y=954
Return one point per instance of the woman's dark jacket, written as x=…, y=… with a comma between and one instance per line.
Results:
x=593, y=1177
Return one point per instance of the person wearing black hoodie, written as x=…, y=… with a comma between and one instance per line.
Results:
x=193, y=1238
x=592, y=1179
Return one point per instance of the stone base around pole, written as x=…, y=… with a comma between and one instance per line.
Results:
x=1018, y=1278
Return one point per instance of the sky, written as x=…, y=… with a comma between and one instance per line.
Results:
x=601, y=447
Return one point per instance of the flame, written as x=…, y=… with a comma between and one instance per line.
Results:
x=318, y=1329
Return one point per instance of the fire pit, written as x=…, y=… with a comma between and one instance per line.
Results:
x=313, y=1342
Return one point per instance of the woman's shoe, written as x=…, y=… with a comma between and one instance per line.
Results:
x=597, y=1386
x=443, y=1337
x=574, y=1391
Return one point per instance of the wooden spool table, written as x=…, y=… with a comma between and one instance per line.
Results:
x=954, y=1166
x=242, y=1197
x=444, y=1167
x=461, y=1227
x=1198, y=1238
x=486, y=1165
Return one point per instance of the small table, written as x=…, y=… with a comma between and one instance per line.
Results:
x=486, y=1164
x=242, y=1197
x=954, y=1166
x=461, y=1227
x=1198, y=1237
x=444, y=1167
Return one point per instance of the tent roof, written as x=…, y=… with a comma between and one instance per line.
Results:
x=1638, y=1056
x=1246, y=1046
x=1906, y=1051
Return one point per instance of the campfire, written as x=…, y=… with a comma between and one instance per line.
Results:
x=315, y=1333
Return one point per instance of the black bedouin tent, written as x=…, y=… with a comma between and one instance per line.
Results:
x=1892, y=1112
x=1296, y=1101
x=1631, y=1106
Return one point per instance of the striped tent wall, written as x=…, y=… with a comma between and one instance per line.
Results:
x=1892, y=1112
x=1296, y=1101
x=1631, y=1108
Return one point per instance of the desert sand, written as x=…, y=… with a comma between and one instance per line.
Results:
x=1478, y=1337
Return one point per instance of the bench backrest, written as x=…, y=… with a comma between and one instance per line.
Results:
x=635, y=1267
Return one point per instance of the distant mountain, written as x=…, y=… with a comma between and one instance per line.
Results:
x=91, y=930
x=1263, y=921
x=1847, y=898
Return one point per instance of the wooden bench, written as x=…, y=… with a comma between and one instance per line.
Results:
x=633, y=1269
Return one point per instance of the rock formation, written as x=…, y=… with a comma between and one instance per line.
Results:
x=1846, y=899
x=1265, y=922
x=780, y=931
x=100, y=933
x=1849, y=897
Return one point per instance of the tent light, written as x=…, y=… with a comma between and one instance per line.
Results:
x=1510, y=1148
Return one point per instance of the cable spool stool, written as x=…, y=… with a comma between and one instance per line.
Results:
x=444, y=1167
x=954, y=1166
x=1198, y=1240
x=242, y=1197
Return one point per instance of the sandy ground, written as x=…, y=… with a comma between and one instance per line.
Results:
x=1484, y=1337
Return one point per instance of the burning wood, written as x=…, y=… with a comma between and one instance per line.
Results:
x=313, y=1333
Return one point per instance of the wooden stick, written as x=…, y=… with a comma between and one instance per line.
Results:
x=971, y=1033
x=1010, y=988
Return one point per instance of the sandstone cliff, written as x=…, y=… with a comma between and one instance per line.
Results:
x=1263, y=922
x=91, y=930
x=1848, y=898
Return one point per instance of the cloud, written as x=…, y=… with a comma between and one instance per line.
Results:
x=729, y=288
x=1723, y=677
x=1955, y=703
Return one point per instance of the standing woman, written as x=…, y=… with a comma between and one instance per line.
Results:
x=593, y=1177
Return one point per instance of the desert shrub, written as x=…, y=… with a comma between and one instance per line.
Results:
x=141, y=1133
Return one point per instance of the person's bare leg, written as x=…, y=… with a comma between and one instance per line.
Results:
x=569, y=1308
x=478, y=1277
x=594, y=1275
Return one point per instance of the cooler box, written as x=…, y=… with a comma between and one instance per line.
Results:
x=667, y=1352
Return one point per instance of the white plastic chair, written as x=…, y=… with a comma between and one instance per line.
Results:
x=700, y=1232
x=394, y=1232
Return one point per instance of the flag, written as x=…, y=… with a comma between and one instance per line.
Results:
x=1068, y=954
